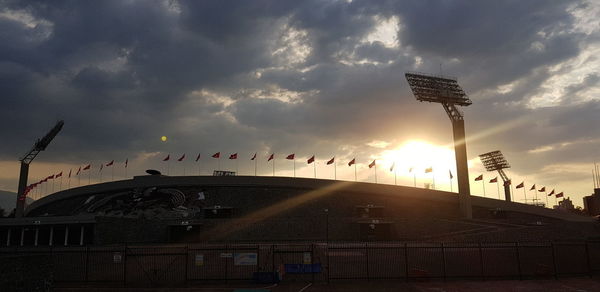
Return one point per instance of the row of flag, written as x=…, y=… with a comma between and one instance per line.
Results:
x=522, y=185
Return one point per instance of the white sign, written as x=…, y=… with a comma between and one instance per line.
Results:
x=245, y=259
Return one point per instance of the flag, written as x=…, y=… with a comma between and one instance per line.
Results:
x=507, y=183
x=450, y=173
x=353, y=161
x=253, y=157
x=167, y=158
x=392, y=167
x=428, y=170
x=58, y=175
x=559, y=195
x=532, y=188
x=290, y=157
x=551, y=193
x=543, y=189
x=70, y=172
x=216, y=155
x=480, y=177
x=110, y=163
x=233, y=156
x=126, y=161
x=494, y=180
x=182, y=157
x=271, y=157
x=87, y=167
x=410, y=169
x=78, y=171
x=311, y=160
x=521, y=185
x=331, y=161
x=198, y=157
x=50, y=177
x=372, y=164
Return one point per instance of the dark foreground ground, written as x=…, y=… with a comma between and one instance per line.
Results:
x=569, y=284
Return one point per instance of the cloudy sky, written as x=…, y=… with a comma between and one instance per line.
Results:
x=306, y=77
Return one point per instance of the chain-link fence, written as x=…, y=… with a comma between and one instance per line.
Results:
x=185, y=265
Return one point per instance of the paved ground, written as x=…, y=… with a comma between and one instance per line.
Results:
x=570, y=284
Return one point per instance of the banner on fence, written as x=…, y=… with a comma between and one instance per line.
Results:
x=245, y=259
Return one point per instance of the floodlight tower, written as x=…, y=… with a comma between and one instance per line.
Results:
x=495, y=161
x=39, y=146
x=445, y=90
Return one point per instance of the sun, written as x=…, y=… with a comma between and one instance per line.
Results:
x=163, y=138
x=419, y=155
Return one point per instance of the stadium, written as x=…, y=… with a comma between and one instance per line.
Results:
x=179, y=209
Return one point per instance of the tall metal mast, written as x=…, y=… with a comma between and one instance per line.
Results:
x=39, y=146
x=445, y=90
x=495, y=161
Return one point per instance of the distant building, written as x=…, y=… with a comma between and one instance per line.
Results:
x=591, y=203
x=566, y=205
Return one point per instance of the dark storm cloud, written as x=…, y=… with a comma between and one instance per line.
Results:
x=122, y=73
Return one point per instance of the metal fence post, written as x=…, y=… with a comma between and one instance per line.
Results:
x=554, y=260
x=87, y=262
x=328, y=270
x=406, y=260
x=125, y=256
x=367, y=254
x=444, y=261
x=481, y=262
x=587, y=259
x=187, y=260
x=518, y=260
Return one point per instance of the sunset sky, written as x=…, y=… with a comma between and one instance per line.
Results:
x=303, y=77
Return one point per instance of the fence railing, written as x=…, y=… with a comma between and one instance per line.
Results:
x=180, y=265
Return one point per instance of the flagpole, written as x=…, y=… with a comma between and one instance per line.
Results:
x=483, y=184
x=334, y=170
x=315, y=168
x=219, y=163
x=237, y=168
x=524, y=192
x=60, y=186
x=273, y=165
x=355, y=172
x=294, y=165
x=433, y=178
x=89, y=176
x=498, y=187
x=375, y=172
x=395, y=176
x=546, y=199
x=255, y=165
x=451, y=185
x=112, y=173
x=536, y=198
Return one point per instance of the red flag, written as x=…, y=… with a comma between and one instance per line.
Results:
x=353, y=161
x=494, y=180
x=331, y=161
x=290, y=157
x=126, y=161
x=507, y=183
x=271, y=157
x=70, y=172
x=311, y=160
x=521, y=185
x=45, y=180
x=543, y=189
x=372, y=164
x=429, y=169
x=198, y=157
x=253, y=157
x=58, y=175
x=551, y=193
x=480, y=177
x=110, y=163
x=182, y=157
x=87, y=167
x=532, y=188
x=393, y=165
x=167, y=158
x=216, y=155
x=233, y=156
x=50, y=177
x=450, y=173
x=559, y=195
x=78, y=171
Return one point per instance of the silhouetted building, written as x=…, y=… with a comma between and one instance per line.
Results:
x=591, y=203
x=566, y=205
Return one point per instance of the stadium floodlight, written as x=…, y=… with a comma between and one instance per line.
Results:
x=495, y=161
x=39, y=146
x=445, y=90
